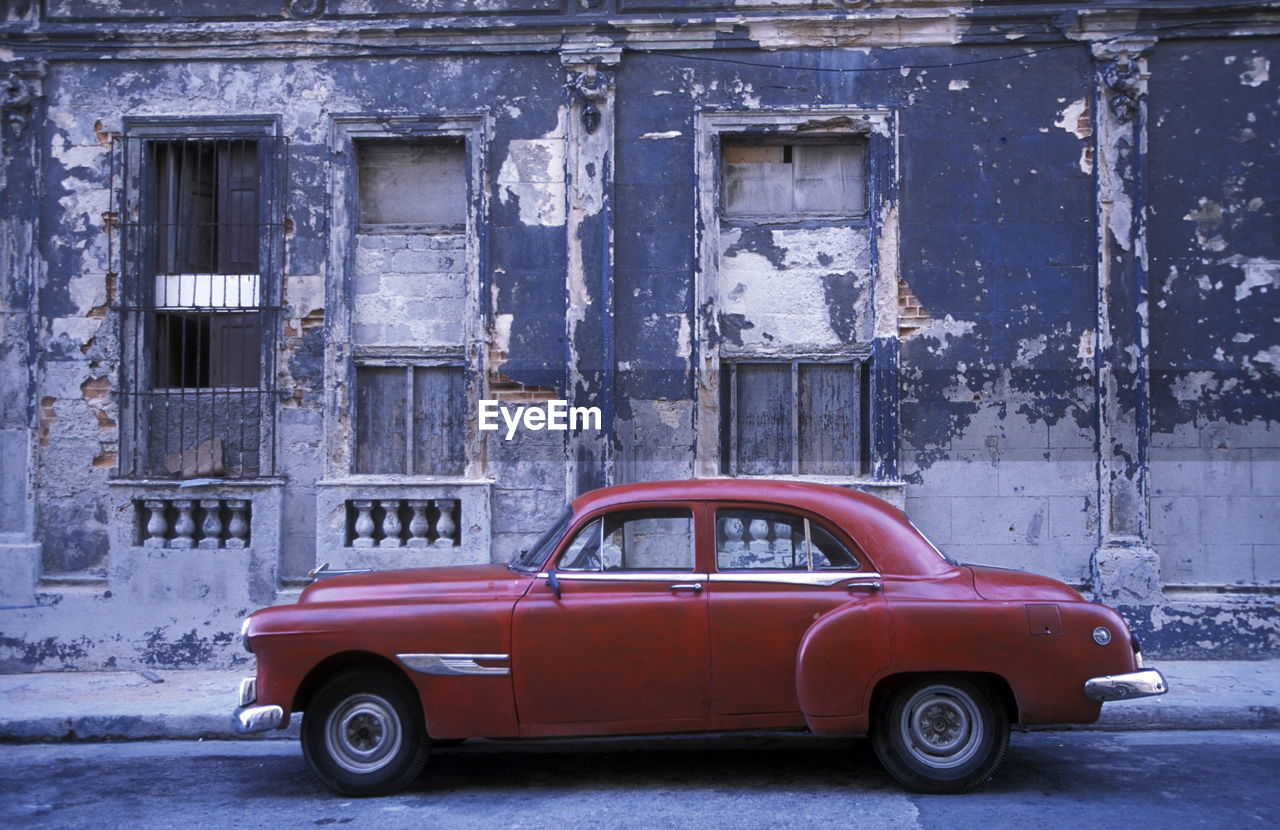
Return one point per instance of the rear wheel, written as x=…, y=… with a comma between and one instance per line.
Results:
x=363, y=735
x=941, y=735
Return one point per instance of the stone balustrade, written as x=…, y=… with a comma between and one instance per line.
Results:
x=184, y=524
x=403, y=523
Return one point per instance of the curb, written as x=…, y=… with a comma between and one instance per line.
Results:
x=103, y=728
x=111, y=728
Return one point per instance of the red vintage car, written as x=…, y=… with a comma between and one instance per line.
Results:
x=705, y=605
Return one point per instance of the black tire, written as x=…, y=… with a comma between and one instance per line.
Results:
x=363, y=733
x=941, y=735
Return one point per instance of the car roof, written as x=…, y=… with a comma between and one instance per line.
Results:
x=879, y=528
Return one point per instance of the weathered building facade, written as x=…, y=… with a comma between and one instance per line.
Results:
x=1011, y=265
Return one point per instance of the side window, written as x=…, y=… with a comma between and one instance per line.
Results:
x=633, y=540
x=769, y=540
x=828, y=552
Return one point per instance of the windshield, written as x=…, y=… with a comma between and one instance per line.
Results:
x=529, y=560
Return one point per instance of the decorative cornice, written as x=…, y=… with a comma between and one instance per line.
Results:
x=306, y=30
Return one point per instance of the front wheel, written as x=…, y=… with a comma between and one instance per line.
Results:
x=363, y=735
x=941, y=735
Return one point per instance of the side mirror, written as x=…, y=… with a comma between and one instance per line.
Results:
x=553, y=582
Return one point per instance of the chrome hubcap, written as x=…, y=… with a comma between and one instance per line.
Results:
x=363, y=733
x=941, y=727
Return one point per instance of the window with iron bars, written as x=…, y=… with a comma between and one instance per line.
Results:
x=201, y=252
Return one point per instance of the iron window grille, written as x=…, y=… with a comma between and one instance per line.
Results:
x=201, y=231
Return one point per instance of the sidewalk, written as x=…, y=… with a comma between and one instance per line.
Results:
x=188, y=705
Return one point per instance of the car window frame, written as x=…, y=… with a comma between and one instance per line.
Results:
x=865, y=564
x=580, y=522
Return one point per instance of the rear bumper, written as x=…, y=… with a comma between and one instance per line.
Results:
x=249, y=718
x=1145, y=683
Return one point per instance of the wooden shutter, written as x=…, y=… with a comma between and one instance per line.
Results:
x=238, y=177
x=381, y=395
x=439, y=421
x=829, y=409
x=234, y=349
x=764, y=408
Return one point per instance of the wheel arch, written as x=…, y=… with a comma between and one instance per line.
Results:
x=345, y=661
x=998, y=686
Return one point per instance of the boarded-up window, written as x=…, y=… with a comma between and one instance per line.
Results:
x=780, y=180
x=795, y=418
x=413, y=183
x=410, y=420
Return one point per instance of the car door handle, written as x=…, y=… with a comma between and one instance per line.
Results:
x=872, y=586
x=696, y=587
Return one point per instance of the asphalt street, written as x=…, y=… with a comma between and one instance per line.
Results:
x=1050, y=780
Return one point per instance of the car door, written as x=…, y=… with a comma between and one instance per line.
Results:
x=620, y=633
x=776, y=572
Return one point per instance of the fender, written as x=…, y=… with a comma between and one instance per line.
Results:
x=840, y=657
x=1045, y=666
x=292, y=641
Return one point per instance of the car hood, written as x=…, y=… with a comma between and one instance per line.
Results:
x=458, y=582
x=1003, y=584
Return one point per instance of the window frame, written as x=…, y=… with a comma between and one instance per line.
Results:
x=865, y=565
x=729, y=397
x=138, y=307
x=878, y=127
x=342, y=362
x=410, y=365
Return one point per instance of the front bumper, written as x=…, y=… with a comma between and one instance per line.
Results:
x=249, y=718
x=1145, y=683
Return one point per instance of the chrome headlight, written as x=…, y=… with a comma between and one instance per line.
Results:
x=244, y=634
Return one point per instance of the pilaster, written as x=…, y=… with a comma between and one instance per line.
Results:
x=589, y=320
x=20, y=107
x=1126, y=569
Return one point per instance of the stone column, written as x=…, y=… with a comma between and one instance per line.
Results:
x=1126, y=569
x=20, y=189
x=589, y=321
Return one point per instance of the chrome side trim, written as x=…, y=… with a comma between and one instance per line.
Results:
x=1145, y=683
x=249, y=719
x=454, y=664
x=817, y=578
x=248, y=691
x=624, y=576
x=821, y=578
